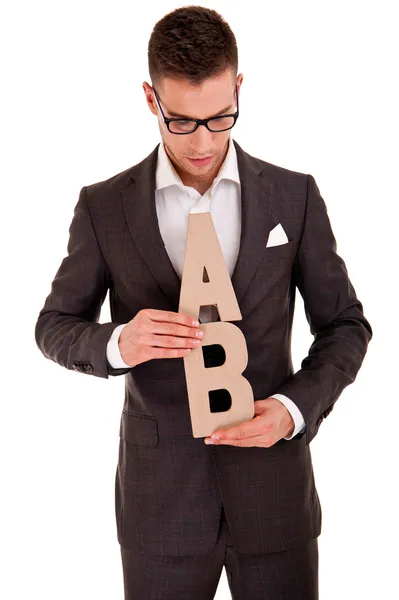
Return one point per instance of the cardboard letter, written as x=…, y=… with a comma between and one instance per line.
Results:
x=203, y=251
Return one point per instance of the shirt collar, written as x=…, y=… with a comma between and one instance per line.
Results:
x=167, y=175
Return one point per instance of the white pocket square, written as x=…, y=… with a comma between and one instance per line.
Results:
x=277, y=236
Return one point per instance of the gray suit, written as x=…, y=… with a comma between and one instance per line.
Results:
x=170, y=487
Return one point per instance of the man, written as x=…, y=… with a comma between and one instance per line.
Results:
x=247, y=501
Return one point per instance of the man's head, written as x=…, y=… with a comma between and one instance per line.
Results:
x=193, y=61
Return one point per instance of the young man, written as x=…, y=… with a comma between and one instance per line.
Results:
x=247, y=501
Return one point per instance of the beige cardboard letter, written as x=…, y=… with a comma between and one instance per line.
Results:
x=203, y=251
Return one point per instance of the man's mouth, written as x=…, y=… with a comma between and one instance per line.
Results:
x=201, y=161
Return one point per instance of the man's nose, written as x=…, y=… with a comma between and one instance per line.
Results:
x=202, y=138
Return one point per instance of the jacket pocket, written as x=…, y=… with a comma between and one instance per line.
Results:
x=139, y=429
x=278, y=252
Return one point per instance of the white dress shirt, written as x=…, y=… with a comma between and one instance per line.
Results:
x=174, y=202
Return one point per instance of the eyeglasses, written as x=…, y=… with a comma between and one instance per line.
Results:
x=185, y=126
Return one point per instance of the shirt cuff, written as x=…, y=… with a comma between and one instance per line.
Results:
x=294, y=412
x=114, y=356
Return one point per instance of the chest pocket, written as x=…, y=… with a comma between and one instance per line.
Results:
x=279, y=252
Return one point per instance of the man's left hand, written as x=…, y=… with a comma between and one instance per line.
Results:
x=271, y=422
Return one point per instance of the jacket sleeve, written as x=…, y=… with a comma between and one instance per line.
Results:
x=67, y=330
x=335, y=316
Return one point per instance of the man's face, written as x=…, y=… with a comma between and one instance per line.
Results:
x=179, y=99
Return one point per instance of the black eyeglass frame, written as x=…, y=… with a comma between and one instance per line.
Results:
x=197, y=122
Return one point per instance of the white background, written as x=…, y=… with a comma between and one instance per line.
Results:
x=318, y=96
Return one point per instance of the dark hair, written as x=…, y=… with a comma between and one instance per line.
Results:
x=192, y=43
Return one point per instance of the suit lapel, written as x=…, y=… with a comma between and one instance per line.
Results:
x=142, y=219
x=256, y=215
x=140, y=211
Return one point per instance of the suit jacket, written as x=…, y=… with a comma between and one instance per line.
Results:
x=169, y=486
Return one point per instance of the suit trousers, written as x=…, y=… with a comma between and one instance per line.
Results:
x=288, y=575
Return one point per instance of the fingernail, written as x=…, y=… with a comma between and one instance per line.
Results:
x=208, y=441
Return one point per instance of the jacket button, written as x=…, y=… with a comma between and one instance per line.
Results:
x=89, y=369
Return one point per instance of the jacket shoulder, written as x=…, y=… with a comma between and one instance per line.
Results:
x=283, y=178
x=112, y=184
x=277, y=177
x=118, y=182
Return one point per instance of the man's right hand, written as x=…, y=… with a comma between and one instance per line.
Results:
x=156, y=333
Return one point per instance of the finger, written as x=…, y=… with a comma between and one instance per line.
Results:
x=254, y=440
x=259, y=406
x=168, y=341
x=182, y=328
x=169, y=316
x=168, y=352
x=176, y=330
x=248, y=429
x=262, y=405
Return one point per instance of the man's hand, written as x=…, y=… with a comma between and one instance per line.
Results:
x=272, y=421
x=154, y=333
